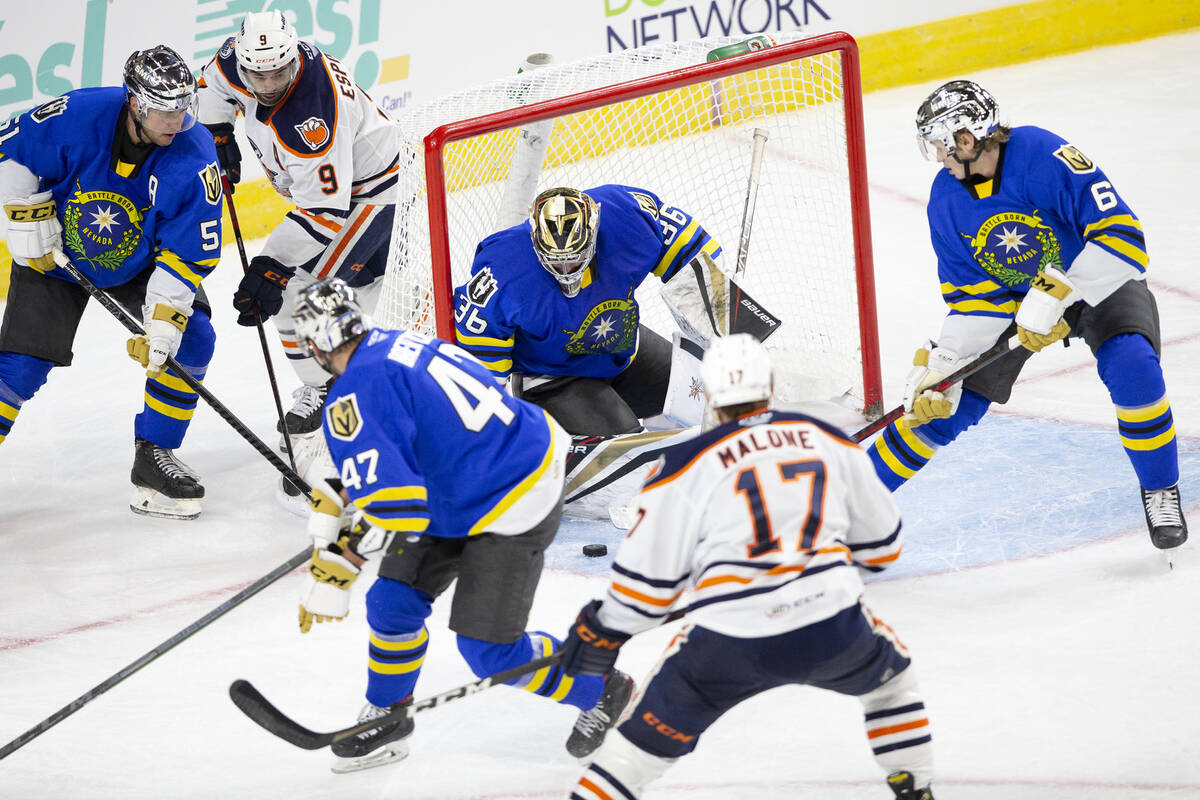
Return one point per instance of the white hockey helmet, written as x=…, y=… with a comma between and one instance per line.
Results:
x=950, y=108
x=327, y=315
x=735, y=370
x=162, y=82
x=266, y=50
x=563, y=224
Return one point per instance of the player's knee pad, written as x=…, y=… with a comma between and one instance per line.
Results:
x=1131, y=370
x=901, y=690
x=23, y=375
x=395, y=607
x=488, y=658
x=198, y=343
x=620, y=769
x=971, y=408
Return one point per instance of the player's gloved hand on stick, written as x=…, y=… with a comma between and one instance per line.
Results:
x=325, y=596
x=1040, y=318
x=262, y=288
x=229, y=155
x=34, y=231
x=931, y=364
x=590, y=647
x=164, y=331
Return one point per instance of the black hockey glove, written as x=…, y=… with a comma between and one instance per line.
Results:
x=590, y=647
x=229, y=156
x=261, y=290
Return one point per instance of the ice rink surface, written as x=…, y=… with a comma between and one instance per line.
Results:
x=1056, y=652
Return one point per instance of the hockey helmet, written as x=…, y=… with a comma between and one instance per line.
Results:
x=327, y=315
x=736, y=369
x=266, y=50
x=563, y=224
x=952, y=107
x=164, y=86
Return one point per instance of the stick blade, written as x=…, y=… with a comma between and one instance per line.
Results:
x=258, y=708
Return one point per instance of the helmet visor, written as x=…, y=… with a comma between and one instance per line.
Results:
x=269, y=86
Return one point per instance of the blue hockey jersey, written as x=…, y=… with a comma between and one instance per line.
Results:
x=425, y=441
x=118, y=222
x=512, y=315
x=1046, y=202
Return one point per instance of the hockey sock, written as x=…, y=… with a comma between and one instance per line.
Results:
x=20, y=377
x=1130, y=369
x=898, y=727
x=901, y=450
x=488, y=658
x=619, y=769
x=10, y=405
x=394, y=664
x=170, y=404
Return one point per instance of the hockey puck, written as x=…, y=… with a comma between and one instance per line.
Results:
x=595, y=550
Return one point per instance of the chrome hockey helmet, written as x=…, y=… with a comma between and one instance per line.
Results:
x=952, y=107
x=563, y=224
x=736, y=369
x=161, y=81
x=327, y=315
x=266, y=50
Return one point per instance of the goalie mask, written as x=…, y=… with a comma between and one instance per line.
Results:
x=563, y=225
x=953, y=107
x=267, y=57
x=736, y=370
x=165, y=90
x=327, y=315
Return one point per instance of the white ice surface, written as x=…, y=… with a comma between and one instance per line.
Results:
x=1056, y=652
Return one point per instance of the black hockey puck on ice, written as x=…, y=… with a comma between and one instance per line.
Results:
x=595, y=550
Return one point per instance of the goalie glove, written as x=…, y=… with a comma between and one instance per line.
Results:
x=34, y=231
x=931, y=365
x=1040, y=318
x=325, y=596
x=164, y=330
x=590, y=647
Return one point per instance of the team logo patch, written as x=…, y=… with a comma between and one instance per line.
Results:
x=481, y=287
x=314, y=132
x=52, y=109
x=1077, y=162
x=102, y=228
x=647, y=203
x=1013, y=247
x=343, y=418
x=610, y=327
x=210, y=176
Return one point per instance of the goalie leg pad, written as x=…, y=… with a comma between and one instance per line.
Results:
x=685, y=392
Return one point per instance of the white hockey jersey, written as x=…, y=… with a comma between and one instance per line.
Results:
x=325, y=146
x=756, y=527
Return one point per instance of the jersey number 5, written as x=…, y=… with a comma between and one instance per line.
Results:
x=765, y=540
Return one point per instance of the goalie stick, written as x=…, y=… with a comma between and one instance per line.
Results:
x=760, y=141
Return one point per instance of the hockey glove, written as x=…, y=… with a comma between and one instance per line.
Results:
x=261, y=290
x=34, y=231
x=164, y=331
x=1040, y=318
x=229, y=156
x=326, y=593
x=931, y=365
x=590, y=647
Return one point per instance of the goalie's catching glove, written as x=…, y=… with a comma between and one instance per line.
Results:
x=931, y=365
x=1040, y=318
x=590, y=647
x=326, y=593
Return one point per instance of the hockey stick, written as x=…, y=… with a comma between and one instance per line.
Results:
x=760, y=140
x=258, y=323
x=102, y=687
x=960, y=374
x=224, y=413
x=262, y=711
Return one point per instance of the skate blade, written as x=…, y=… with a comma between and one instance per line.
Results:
x=294, y=503
x=150, y=503
x=392, y=751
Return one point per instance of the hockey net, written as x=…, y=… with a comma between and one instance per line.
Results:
x=666, y=119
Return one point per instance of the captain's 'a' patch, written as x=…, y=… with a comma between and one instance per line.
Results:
x=1077, y=162
x=342, y=417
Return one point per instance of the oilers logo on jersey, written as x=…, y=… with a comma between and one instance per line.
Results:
x=345, y=420
x=610, y=327
x=1013, y=247
x=102, y=228
x=314, y=132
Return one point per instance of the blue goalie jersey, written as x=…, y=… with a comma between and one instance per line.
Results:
x=1046, y=203
x=512, y=315
x=426, y=442
x=118, y=220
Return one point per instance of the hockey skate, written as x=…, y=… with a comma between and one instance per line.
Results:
x=902, y=784
x=163, y=486
x=1164, y=517
x=305, y=414
x=593, y=724
x=377, y=746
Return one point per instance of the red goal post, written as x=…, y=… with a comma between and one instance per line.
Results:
x=682, y=128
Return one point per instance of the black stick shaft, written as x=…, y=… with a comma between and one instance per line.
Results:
x=102, y=687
